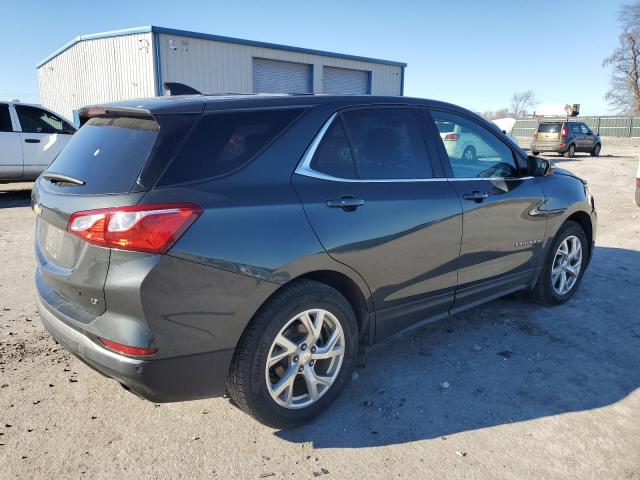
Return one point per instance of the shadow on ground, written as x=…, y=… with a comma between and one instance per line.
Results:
x=508, y=361
x=14, y=198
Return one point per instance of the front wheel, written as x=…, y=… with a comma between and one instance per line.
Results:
x=296, y=356
x=564, y=266
x=596, y=150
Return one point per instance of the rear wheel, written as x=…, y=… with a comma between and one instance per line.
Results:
x=564, y=266
x=571, y=151
x=296, y=356
x=596, y=150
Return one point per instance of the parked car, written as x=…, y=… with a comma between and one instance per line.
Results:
x=565, y=138
x=30, y=138
x=259, y=244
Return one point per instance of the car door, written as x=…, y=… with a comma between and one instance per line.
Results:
x=43, y=135
x=588, y=138
x=503, y=227
x=10, y=148
x=378, y=205
x=576, y=132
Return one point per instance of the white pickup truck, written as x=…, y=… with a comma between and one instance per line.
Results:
x=30, y=138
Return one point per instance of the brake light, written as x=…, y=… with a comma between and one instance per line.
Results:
x=452, y=137
x=637, y=182
x=564, y=133
x=142, y=228
x=126, y=349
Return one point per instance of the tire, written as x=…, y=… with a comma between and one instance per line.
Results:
x=535, y=153
x=250, y=382
x=545, y=291
x=469, y=153
x=571, y=151
x=596, y=150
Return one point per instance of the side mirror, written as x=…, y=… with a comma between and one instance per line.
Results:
x=540, y=167
x=590, y=132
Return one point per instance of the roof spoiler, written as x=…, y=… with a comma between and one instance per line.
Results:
x=172, y=89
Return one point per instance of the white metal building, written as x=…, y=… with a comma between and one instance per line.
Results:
x=134, y=63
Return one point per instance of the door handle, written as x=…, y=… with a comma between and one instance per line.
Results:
x=346, y=202
x=31, y=140
x=476, y=196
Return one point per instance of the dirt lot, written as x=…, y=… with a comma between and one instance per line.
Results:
x=533, y=392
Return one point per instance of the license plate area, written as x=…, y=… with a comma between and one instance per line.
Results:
x=60, y=248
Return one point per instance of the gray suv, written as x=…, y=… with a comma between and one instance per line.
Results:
x=257, y=245
x=565, y=138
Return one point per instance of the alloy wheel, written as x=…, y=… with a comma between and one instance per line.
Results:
x=305, y=359
x=566, y=265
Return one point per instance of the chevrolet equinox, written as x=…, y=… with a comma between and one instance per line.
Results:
x=256, y=245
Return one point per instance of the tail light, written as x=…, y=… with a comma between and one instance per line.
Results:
x=142, y=228
x=126, y=349
x=637, y=182
x=452, y=137
x=564, y=133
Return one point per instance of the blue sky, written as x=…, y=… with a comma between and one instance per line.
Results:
x=473, y=53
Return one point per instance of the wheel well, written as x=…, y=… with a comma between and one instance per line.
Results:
x=583, y=219
x=351, y=292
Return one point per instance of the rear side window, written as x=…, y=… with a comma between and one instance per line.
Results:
x=386, y=143
x=5, y=118
x=333, y=156
x=224, y=142
x=549, y=127
x=374, y=144
x=575, y=128
x=107, y=153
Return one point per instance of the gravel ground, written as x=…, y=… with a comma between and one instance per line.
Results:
x=508, y=390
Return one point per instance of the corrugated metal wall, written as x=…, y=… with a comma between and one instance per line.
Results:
x=610, y=126
x=98, y=71
x=218, y=67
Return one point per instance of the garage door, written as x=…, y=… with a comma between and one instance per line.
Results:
x=344, y=80
x=274, y=76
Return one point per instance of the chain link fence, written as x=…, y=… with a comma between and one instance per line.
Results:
x=611, y=126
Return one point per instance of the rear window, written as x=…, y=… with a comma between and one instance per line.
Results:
x=224, y=142
x=107, y=153
x=549, y=127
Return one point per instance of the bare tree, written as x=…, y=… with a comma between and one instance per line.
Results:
x=521, y=102
x=624, y=92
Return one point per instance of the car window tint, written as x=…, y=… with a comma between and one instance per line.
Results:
x=333, y=156
x=224, y=142
x=584, y=128
x=36, y=120
x=5, y=118
x=575, y=128
x=549, y=127
x=474, y=151
x=107, y=153
x=386, y=143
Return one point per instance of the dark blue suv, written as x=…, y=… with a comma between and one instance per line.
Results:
x=257, y=245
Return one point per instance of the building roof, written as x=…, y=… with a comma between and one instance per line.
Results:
x=217, y=38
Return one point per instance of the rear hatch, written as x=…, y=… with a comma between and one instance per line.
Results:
x=549, y=132
x=111, y=161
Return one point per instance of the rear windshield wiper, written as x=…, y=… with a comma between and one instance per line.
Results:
x=60, y=178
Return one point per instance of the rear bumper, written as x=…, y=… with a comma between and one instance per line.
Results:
x=174, y=379
x=548, y=147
